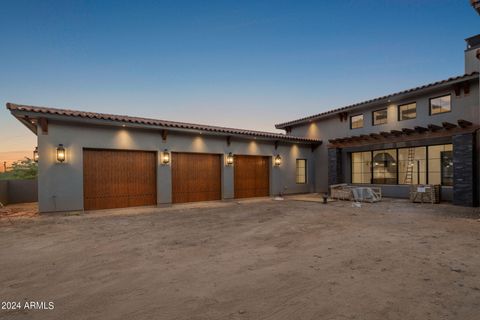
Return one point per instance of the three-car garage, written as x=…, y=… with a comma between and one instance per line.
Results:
x=123, y=178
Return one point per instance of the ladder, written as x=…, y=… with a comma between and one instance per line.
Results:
x=410, y=165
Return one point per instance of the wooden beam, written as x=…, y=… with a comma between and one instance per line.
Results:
x=343, y=116
x=420, y=129
x=464, y=123
x=466, y=88
x=396, y=132
x=164, y=135
x=276, y=144
x=448, y=125
x=385, y=134
x=457, y=91
x=434, y=127
x=408, y=131
x=436, y=132
x=229, y=141
x=43, y=122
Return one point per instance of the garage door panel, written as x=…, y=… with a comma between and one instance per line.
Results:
x=195, y=177
x=251, y=175
x=118, y=179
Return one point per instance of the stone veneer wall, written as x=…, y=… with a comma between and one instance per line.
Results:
x=464, y=184
x=335, y=172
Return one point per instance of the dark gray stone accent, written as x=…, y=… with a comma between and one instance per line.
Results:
x=335, y=175
x=464, y=186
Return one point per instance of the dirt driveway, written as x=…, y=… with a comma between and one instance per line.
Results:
x=251, y=260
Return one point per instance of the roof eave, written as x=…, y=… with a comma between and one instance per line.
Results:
x=373, y=102
x=22, y=115
x=25, y=121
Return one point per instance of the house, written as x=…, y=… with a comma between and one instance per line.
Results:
x=428, y=134
x=93, y=161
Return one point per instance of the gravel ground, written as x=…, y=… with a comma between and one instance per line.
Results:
x=258, y=259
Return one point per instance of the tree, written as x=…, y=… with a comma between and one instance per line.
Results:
x=22, y=169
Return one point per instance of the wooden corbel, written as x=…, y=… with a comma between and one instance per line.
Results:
x=43, y=122
x=164, y=135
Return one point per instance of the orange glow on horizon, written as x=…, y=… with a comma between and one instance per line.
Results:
x=8, y=157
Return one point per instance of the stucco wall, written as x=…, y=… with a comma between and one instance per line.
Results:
x=61, y=184
x=465, y=107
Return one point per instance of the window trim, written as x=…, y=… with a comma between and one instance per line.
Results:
x=355, y=115
x=430, y=104
x=373, y=117
x=406, y=104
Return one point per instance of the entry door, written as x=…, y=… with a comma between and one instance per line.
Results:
x=119, y=179
x=252, y=176
x=196, y=177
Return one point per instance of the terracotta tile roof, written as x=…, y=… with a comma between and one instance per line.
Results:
x=352, y=106
x=160, y=123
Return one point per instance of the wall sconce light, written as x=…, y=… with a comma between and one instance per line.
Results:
x=35, y=154
x=165, y=157
x=61, y=153
x=229, y=159
x=278, y=160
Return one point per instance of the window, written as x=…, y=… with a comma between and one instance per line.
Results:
x=356, y=121
x=440, y=164
x=361, y=167
x=301, y=171
x=407, y=111
x=417, y=165
x=379, y=117
x=412, y=165
x=440, y=104
x=384, y=166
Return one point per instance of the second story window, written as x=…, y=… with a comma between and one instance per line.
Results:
x=441, y=104
x=356, y=121
x=407, y=111
x=379, y=117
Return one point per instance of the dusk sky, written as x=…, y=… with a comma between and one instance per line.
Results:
x=247, y=64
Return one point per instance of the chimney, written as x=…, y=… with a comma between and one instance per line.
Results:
x=472, y=54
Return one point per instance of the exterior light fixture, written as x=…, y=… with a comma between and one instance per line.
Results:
x=61, y=153
x=165, y=157
x=229, y=159
x=278, y=160
x=35, y=154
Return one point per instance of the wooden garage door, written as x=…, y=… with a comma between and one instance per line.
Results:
x=251, y=176
x=118, y=179
x=196, y=177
